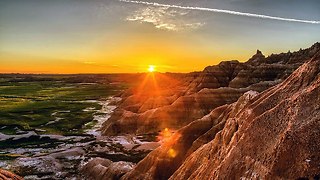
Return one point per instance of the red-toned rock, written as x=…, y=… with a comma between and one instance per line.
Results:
x=99, y=168
x=160, y=164
x=274, y=137
x=7, y=175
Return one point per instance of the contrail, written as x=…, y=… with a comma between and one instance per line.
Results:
x=223, y=11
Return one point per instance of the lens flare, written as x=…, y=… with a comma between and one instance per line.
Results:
x=172, y=153
x=165, y=135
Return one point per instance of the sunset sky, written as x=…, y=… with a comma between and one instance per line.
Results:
x=111, y=36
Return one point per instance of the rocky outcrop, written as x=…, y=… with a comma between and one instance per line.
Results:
x=213, y=77
x=257, y=58
x=271, y=135
x=57, y=165
x=161, y=164
x=272, y=68
x=4, y=174
x=175, y=101
x=181, y=112
x=99, y=168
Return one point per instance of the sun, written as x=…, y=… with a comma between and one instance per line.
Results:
x=151, y=68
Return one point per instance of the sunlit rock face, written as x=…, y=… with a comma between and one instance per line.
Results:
x=175, y=100
x=161, y=164
x=271, y=135
x=276, y=135
x=181, y=112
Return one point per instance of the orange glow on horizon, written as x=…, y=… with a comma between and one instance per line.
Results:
x=122, y=59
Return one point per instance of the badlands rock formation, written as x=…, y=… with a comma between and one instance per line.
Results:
x=271, y=135
x=174, y=100
x=7, y=175
x=99, y=168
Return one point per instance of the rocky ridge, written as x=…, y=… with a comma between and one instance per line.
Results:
x=268, y=135
x=180, y=100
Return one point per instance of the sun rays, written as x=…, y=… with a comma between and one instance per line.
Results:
x=151, y=68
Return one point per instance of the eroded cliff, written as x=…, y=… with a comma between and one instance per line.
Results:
x=271, y=135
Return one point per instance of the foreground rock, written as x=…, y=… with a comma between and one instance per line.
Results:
x=165, y=160
x=99, y=168
x=273, y=135
x=66, y=161
x=6, y=175
x=55, y=165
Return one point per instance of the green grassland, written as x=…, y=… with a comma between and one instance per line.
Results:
x=31, y=102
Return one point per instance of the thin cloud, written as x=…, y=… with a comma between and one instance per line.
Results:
x=224, y=11
x=163, y=18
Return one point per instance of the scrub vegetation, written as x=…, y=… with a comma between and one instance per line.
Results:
x=52, y=104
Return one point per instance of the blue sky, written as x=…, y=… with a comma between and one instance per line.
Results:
x=113, y=36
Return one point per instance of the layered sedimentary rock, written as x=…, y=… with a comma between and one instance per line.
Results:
x=99, y=168
x=173, y=101
x=213, y=77
x=271, y=135
x=160, y=164
x=179, y=113
x=4, y=174
x=275, y=136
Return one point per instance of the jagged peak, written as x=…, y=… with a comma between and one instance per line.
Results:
x=258, y=52
x=290, y=57
x=317, y=44
x=257, y=57
x=314, y=47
